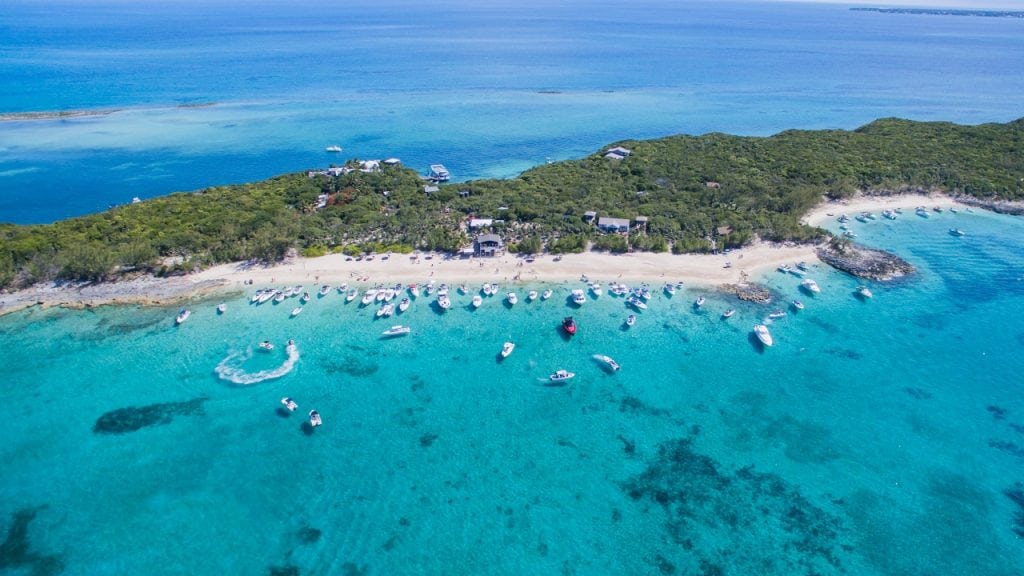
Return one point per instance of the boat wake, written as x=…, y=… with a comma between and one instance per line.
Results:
x=229, y=370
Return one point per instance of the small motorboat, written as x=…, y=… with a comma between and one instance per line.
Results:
x=864, y=292
x=486, y=289
x=761, y=331
x=289, y=404
x=636, y=303
x=397, y=330
x=444, y=302
x=810, y=286
x=343, y=288
x=296, y=311
x=777, y=314
x=607, y=360
x=798, y=305
x=279, y=297
x=324, y=290
x=698, y=302
x=512, y=298
x=368, y=297
x=385, y=310
x=314, y=418
x=670, y=289
x=462, y=289
x=546, y=294
x=182, y=316
x=729, y=313
x=477, y=301
x=956, y=232
x=335, y=149
x=631, y=319
x=531, y=296
x=569, y=325
x=562, y=376
x=414, y=290
x=266, y=345
x=578, y=297
x=595, y=288
x=403, y=305
x=351, y=295
x=507, y=349
x=305, y=297
x=222, y=308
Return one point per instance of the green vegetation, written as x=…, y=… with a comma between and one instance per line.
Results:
x=700, y=193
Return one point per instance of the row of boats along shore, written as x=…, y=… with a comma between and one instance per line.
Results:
x=920, y=211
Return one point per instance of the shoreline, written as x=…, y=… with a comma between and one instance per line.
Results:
x=705, y=270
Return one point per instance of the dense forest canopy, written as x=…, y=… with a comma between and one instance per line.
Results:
x=698, y=193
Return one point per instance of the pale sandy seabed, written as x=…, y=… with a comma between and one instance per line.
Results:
x=334, y=269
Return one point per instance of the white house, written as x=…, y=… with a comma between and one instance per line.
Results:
x=613, y=224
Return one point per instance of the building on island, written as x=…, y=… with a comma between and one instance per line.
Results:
x=641, y=222
x=391, y=162
x=617, y=153
x=430, y=189
x=438, y=173
x=589, y=216
x=487, y=245
x=475, y=223
x=613, y=224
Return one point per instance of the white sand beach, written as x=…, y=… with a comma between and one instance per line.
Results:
x=334, y=269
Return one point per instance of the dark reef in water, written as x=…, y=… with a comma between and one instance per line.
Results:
x=1016, y=495
x=124, y=420
x=1007, y=447
x=16, y=555
x=779, y=530
x=863, y=262
x=918, y=393
x=748, y=292
x=288, y=570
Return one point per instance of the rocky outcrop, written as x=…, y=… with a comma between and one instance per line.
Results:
x=863, y=262
x=998, y=206
x=748, y=292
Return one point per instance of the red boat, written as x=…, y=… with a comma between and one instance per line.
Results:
x=569, y=325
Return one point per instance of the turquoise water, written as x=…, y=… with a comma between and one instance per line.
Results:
x=488, y=88
x=875, y=437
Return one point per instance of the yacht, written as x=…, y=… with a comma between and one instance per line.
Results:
x=335, y=149
x=785, y=268
x=612, y=364
x=414, y=290
x=266, y=345
x=324, y=290
x=444, y=302
x=631, y=319
x=562, y=376
x=670, y=289
x=596, y=289
x=368, y=297
x=728, y=313
x=636, y=303
x=512, y=298
x=507, y=349
x=380, y=295
x=798, y=305
x=477, y=301
x=182, y=316
x=222, y=308
x=305, y=297
x=810, y=286
x=863, y=292
x=279, y=297
x=698, y=302
x=531, y=296
x=546, y=294
x=777, y=314
x=569, y=325
x=267, y=295
x=486, y=289
x=352, y=294
x=578, y=297
x=289, y=404
x=314, y=418
x=761, y=331
x=397, y=330
x=921, y=212
x=296, y=311
x=403, y=305
x=956, y=232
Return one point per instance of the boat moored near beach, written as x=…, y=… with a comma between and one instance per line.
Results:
x=182, y=316
x=222, y=308
x=507, y=349
x=569, y=325
x=578, y=297
x=729, y=313
x=546, y=294
x=477, y=301
x=761, y=331
x=956, y=232
x=512, y=298
x=296, y=311
x=631, y=319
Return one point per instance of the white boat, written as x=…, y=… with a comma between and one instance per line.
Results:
x=785, y=268
x=334, y=149
x=636, y=303
x=921, y=212
x=397, y=330
x=512, y=298
x=380, y=295
x=462, y=289
x=343, y=288
x=266, y=345
x=546, y=294
x=889, y=214
x=956, y=232
x=507, y=349
x=403, y=305
x=182, y=316
x=596, y=289
x=222, y=308
x=631, y=319
x=612, y=364
x=698, y=302
x=279, y=297
x=305, y=297
x=798, y=305
x=314, y=418
x=296, y=311
x=289, y=404
x=670, y=289
x=351, y=295
x=761, y=331
x=385, y=310
x=810, y=286
x=256, y=297
x=324, y=290
x=368, y=297
x=578, y=297
x=477, y=301
x=728, y=313
x=486, y=289
x=561, y=376
x=531, y=296
x=267, y=295
x=414, y=290
x=777, y=314
x=864, y=292
x=444, y=302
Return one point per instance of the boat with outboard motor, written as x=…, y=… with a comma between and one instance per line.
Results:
x=182, y=316
x=507, y=349
x=761, y=331
x=289, y=404
x=607, y=360
x=314, y=418
x=397, y=330
x=562, y=376
x=569, y=325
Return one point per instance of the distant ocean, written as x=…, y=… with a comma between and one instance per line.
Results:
x=875, y=438
x=221, y=92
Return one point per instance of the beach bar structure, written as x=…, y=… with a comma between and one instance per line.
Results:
x=487, y=245
x=613, y=224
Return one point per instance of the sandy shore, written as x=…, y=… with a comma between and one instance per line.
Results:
x=706, y=270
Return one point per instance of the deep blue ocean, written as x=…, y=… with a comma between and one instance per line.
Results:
x=876, y=437
x=227, y=91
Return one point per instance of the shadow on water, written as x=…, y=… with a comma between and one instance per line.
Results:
x=755, y=343
x=15, y=550
x=307, y=428
x=283, y=412
x=133, y=418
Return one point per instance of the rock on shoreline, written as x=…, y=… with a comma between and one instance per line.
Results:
x=863, y=262
x=748, y=292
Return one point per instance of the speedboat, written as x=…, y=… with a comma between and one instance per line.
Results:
x=507, y=349
x=921, y=212
x=561, y=376
x=351, y=295
x=889, y=214
x=810, y=286
x=486, y=289
x=266, y=345
x=546, y=294
x=785, y=268
x=368, y=297
x=636, y=303
x=954, y=210
x=430, y=288
x=397, y=330
x=956, y=232
x=343, y=288
x=389, y=295
x=612, y=364
x=698, y=302
x=798, y=305
x=462, y=289
x=444, y=302
x=222, y=308
x=256, y=297
x=314, y=418
x=305, y=297
x=761, y=331
x=414, y=290
x=777, y=314
x=324, y=290
x=380, y=295
x=267, y=295
x=670, y=289
x=631, y=319
x=512, y=298
x=334, y=149
x=728, y=313
x=578, y=297
x=477, y=301
x=182, y=316
x=863, y=292
x=569, y=325
x=531, y=296
x=296, y=311
x=385, y=310
x=289, y=404
x=403, y=305
x=279, y=297
x=596, y=289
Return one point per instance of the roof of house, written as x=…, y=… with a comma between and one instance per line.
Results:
x=616, y=222
x=619, y=150
x=488, y=238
